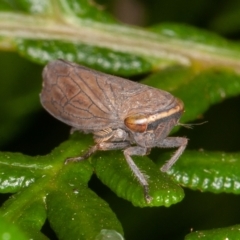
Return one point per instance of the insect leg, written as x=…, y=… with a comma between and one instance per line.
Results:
x=92, y=150
x=104, y=146
x=171, y=142
x=139, y=151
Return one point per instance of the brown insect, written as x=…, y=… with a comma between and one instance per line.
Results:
x=120, y=113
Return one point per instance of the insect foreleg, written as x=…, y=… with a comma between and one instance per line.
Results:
x=139, y=151
x=171, y=142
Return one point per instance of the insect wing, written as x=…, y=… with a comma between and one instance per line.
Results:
x=73, y=94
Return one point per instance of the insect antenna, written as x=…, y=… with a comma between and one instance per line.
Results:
x=190, y=125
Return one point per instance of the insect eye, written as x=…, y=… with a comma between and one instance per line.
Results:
x=136, y=123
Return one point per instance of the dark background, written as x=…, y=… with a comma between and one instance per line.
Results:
x=198, y=211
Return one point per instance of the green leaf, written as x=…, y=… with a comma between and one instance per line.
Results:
x=18, y=172
x=57, y=187
x=10, y=231
x=94, y=56
x=103, y=43
x=113, y=170
x=206, y=89
x=26, y=209
x=207, y=171
x=85, y=213
x=30, y=6
x=230, y=233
